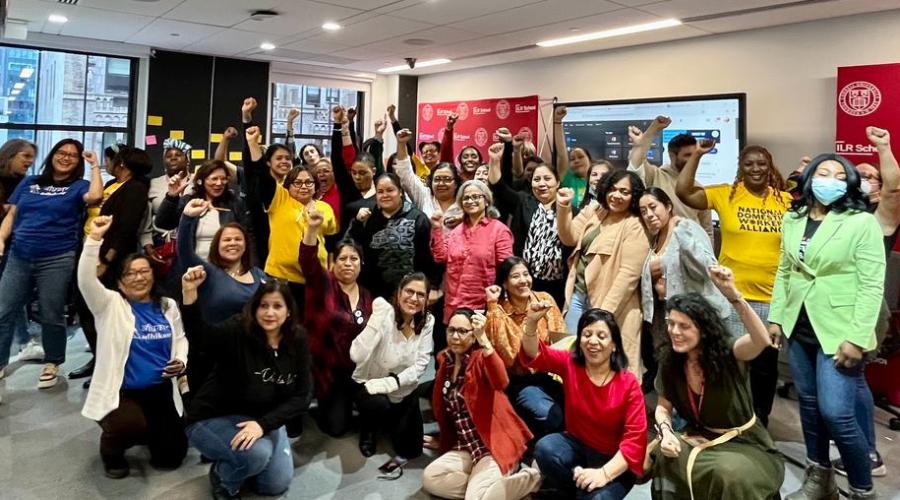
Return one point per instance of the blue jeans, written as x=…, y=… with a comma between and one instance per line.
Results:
x=269, y=460
x=865, y=415
x=828, y=410
x=538, y=399
x=20, y=330
x=578, y=304
x=51, y=275
x=557, y=456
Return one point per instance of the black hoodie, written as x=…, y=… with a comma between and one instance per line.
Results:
x=270, y=386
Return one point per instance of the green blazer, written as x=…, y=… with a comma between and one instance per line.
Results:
x=840, y=281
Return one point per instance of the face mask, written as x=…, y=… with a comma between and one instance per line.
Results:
x=865, y=187
x=828, y=189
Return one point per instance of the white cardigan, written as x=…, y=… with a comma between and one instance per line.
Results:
x=115, y=328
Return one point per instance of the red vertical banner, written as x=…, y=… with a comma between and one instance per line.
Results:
x=866, y=95
x=478, y=120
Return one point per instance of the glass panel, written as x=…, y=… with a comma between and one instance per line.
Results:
x=19, y=90
x=46, y=139
x=314, y=104
x=108, y=87
x=61, y=88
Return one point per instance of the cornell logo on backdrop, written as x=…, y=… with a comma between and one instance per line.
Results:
x=502, y=109
x=462, y=109
x=481, y=136
x=427, y=112
x=859, y=98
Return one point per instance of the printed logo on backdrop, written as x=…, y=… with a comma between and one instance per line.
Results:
x=463, y=111
x=859, y=98
x=478, y=111
x=525, y=108
x=502, y=109
x=526, y=133
x=481, y=136
x=427, y=112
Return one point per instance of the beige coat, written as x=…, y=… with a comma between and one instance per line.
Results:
x=613, y=273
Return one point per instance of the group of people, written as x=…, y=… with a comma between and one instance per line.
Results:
x=220, y=301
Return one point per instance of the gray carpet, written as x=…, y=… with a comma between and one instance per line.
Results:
x=49, y=451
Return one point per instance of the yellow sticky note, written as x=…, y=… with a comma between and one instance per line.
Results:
x=198, y=154
x=176, y=134
x=155, y=121
x=235, y=156
x=215, y=137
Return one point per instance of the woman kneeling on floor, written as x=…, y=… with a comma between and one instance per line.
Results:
x=481, y=436
x=260, y=382
x=141, y=347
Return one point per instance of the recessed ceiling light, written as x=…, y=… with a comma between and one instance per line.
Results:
x=57, y=18
x=19, y=85
x=597, y=35
x=26, y=73
x=15, y=92
x=267, y=46
x=423, y=64
x=331, y=26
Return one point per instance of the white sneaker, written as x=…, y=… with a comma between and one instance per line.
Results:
x=33, y=351
x=49, y=376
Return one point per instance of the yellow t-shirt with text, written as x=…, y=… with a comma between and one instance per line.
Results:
x=94, y=211
x=751, y=237
x=287, y=224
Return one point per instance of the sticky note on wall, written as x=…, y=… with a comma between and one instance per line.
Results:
x=154, y=121
x=176, y=134
x=235, y=156
x=198, y=154
x=150, y=140
x=215, y=138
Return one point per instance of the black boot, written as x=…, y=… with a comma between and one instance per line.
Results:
x=85, y=370
x=115, y=467
x=367, y=442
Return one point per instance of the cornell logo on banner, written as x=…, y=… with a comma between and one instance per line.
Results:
x=859, y=98
x=427, y=112
x=481, y=136
x=526, y=133
x=463, y=111
x=502, y=109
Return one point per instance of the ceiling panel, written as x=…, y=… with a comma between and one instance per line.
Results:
x=378, y=52
x=215, y=12
x=228, y=42
x=35, y=12
x=450, y=11
x=360, y=4
x=637, y=3
x=692, y=8
x=159, y=34
x=371, y=30
x=297, y=17
x=102, y=24
x=793, y=15
x=153, y=9
x=587, y=24
x=534, y=14
x=318, y=46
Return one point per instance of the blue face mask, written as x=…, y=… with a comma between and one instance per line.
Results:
x=828, y=189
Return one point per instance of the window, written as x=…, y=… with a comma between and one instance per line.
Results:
x=314, y=124
x=49, y=95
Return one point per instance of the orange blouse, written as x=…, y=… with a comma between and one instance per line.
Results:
x=505, y=327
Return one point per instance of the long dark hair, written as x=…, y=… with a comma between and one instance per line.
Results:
x=46, y=177
x=618, y=361
x=854, y=199
x=588, y=193
x=637, y=189
x=290, y=330
x=420, y=317
x=715, y=355
x=505, y=268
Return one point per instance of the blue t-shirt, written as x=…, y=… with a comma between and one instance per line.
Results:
x=151, y=347
x=48, y=219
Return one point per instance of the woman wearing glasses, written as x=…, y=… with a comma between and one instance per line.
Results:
x=288, y=202
x=44, y=218
x=141, y=348
x=391, y=354
x=473, y=250
x=343, y=307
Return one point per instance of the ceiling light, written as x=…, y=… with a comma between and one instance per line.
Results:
x=15, y=92
x=58, y=18
x=330, y=26
x=19, y=85
x=423, y=64
x=26, y=73
x=267, y=46
x=597, y=35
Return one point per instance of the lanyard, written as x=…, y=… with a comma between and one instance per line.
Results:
x=694, y=406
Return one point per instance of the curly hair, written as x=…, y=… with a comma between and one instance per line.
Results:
x=637, y=189
x=773, y=178
x=715, y=354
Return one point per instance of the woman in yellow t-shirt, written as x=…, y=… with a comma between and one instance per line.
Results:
x=750, y=212
x=287, y=201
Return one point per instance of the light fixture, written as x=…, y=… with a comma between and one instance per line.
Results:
x=423, y=64
x=16, y=92
x=597, y=35
x=19, y=85
x=58, y=18
x=26, y=72
x=331, y=26
x=267, y=46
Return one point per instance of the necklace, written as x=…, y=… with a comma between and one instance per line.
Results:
x=235, y=274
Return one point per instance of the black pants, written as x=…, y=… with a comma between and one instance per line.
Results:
x=763, y=379
x=402, y=421
x=85, y=317
x=145, y=416
x=335, y=413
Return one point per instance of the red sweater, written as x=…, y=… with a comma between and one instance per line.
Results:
x=607, y=419
x=500, y=429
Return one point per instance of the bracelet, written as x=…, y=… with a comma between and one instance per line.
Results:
x=605, y=474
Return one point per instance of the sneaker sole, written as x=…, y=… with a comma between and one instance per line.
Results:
x=879, y=471
x=46, y=384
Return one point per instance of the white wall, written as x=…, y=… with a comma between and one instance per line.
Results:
x=788, y=73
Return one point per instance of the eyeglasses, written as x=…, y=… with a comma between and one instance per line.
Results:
x=131, y=275
x=459, y=332
x=66, y=154
x=306, y=183
x=443, y=180
x=472, y=198
x=410, y=293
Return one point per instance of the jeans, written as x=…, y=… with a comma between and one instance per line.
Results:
x=52, y=276
x=828, y=410
x=538, y=400
x=557, y=455
x=20, y=330
x=578, y=304
x=865, y=415
x=269, y=460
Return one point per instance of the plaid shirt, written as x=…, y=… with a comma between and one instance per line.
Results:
x=467, y=438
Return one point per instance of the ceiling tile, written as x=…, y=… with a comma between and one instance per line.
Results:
x=451, y=11
x=153, y=9
x=790, y=15
x=360, y=4
x=377, y=52
x=637, y=3
x=228, y=42
x=214, y=12
x=587, y=24
x=317, y=46
x=371, y=30
x=534, y=14
x=102, y=24
x=691, y=8
x=297, y=16
x=159, y=34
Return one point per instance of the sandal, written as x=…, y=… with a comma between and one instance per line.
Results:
x=392, y=469
x=49, y=376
